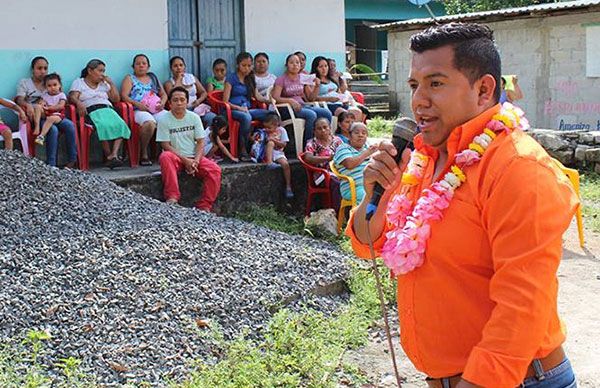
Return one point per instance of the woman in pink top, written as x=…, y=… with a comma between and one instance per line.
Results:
x=288, y=89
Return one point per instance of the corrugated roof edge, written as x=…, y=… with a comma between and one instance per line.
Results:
x=521, y=12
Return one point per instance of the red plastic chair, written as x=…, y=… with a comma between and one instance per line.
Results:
x=314, y=189
x=215, y=100
x=85, y=133
x=358, y=97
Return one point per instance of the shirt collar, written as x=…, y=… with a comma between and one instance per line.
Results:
x=461, y=136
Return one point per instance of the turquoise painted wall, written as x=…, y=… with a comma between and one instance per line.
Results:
x=388, y=10
x=14, y=65
x=68, y=63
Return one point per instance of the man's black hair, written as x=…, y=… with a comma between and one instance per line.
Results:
x=179, y=89
x=475, y=53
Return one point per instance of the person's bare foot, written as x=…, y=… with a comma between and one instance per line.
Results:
x=172, y=201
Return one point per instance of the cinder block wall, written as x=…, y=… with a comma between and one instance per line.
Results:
x=548, y=55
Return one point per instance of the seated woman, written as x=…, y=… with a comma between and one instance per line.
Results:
x=319, y=152
x=29, y=94
x=337, y=77
x=345, y=120
x=328, y=90
x=195, y=89
x=92, y=95
x=143, y=90
x=239, y=90
x=264, y=79
x=351, y=160
x=288, y=89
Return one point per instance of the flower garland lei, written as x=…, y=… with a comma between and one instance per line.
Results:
x=404, y=249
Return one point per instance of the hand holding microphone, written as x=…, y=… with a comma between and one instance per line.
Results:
x=384, y=166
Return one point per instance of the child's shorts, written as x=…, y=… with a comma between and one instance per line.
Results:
x=277, y=154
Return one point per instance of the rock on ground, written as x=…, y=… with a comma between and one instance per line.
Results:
x=121, y=281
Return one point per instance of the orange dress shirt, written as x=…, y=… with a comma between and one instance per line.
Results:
x=484, y=302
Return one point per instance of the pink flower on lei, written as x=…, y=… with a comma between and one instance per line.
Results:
x=467, y=158
x=398, y=208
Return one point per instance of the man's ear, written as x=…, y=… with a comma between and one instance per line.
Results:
x=487, y=87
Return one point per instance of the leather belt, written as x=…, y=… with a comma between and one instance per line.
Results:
x=550, y=361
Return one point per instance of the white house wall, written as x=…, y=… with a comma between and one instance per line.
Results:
x=71, y=32
x=281, y=27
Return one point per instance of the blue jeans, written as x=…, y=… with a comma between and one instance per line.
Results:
x=208, y=118
x=310, y=114
x=67, y=127
x=561, y=376
x=245, y=119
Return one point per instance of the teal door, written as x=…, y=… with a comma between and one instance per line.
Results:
x=201, y=31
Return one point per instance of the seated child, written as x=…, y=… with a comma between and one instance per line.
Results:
x=276, y=140
x=49, y=106
x=5, y=130
x=351, y=160
x=215, y=141
x=345, y=120
x=217, y=80
x=319, y=152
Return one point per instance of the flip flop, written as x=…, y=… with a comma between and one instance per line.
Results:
x=145, y=162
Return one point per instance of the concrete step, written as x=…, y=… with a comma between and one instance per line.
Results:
x=377, y=99
x=369, y=89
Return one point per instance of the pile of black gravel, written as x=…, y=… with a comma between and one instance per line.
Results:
x=121, y=281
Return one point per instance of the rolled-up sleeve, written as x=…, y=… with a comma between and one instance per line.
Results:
x=361, y=249
x=525, y=214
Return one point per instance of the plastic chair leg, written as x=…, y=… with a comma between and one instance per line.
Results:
x=24, y=137
x=341, y=218
x=309, y=198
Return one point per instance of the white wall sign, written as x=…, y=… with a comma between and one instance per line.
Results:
x=592, y=48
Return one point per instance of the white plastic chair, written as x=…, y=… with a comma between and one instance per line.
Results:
x=21, y=135
x=297, y=123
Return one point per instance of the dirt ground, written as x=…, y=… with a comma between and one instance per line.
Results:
x=579, y=306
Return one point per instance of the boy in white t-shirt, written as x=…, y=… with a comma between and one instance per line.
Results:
x=49, y=106
x=277, y=139
x=181, y=136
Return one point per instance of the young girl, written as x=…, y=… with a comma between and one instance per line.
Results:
x=345, y=120
x=49, y=106
x=217, y=81
x=214, y=141
x=277, y=139
x=5, y=131
x=351, y=159
x=319, y=152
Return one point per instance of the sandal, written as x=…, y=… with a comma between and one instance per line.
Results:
x=114, y=162
x=145, y=162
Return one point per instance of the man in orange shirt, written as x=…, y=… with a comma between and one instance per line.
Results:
x=480, y=309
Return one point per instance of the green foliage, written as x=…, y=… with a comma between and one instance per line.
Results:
x=19, y=366
x=380, y=127
x=465, y=6
x=268, y=217
x=300, y=349
x=366, y=69
x=590, y=195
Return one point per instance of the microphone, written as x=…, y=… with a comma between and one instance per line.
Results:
x=405, y=130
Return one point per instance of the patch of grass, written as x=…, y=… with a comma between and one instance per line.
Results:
x=380, y=127
x=300, y=349
x=19, y=365
x=268, y=217
x=590, y=195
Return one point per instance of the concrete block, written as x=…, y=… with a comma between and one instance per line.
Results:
x=580, y=152
x=564, y=156
x=586, y=138
x=597, y=168
x=592, y=155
